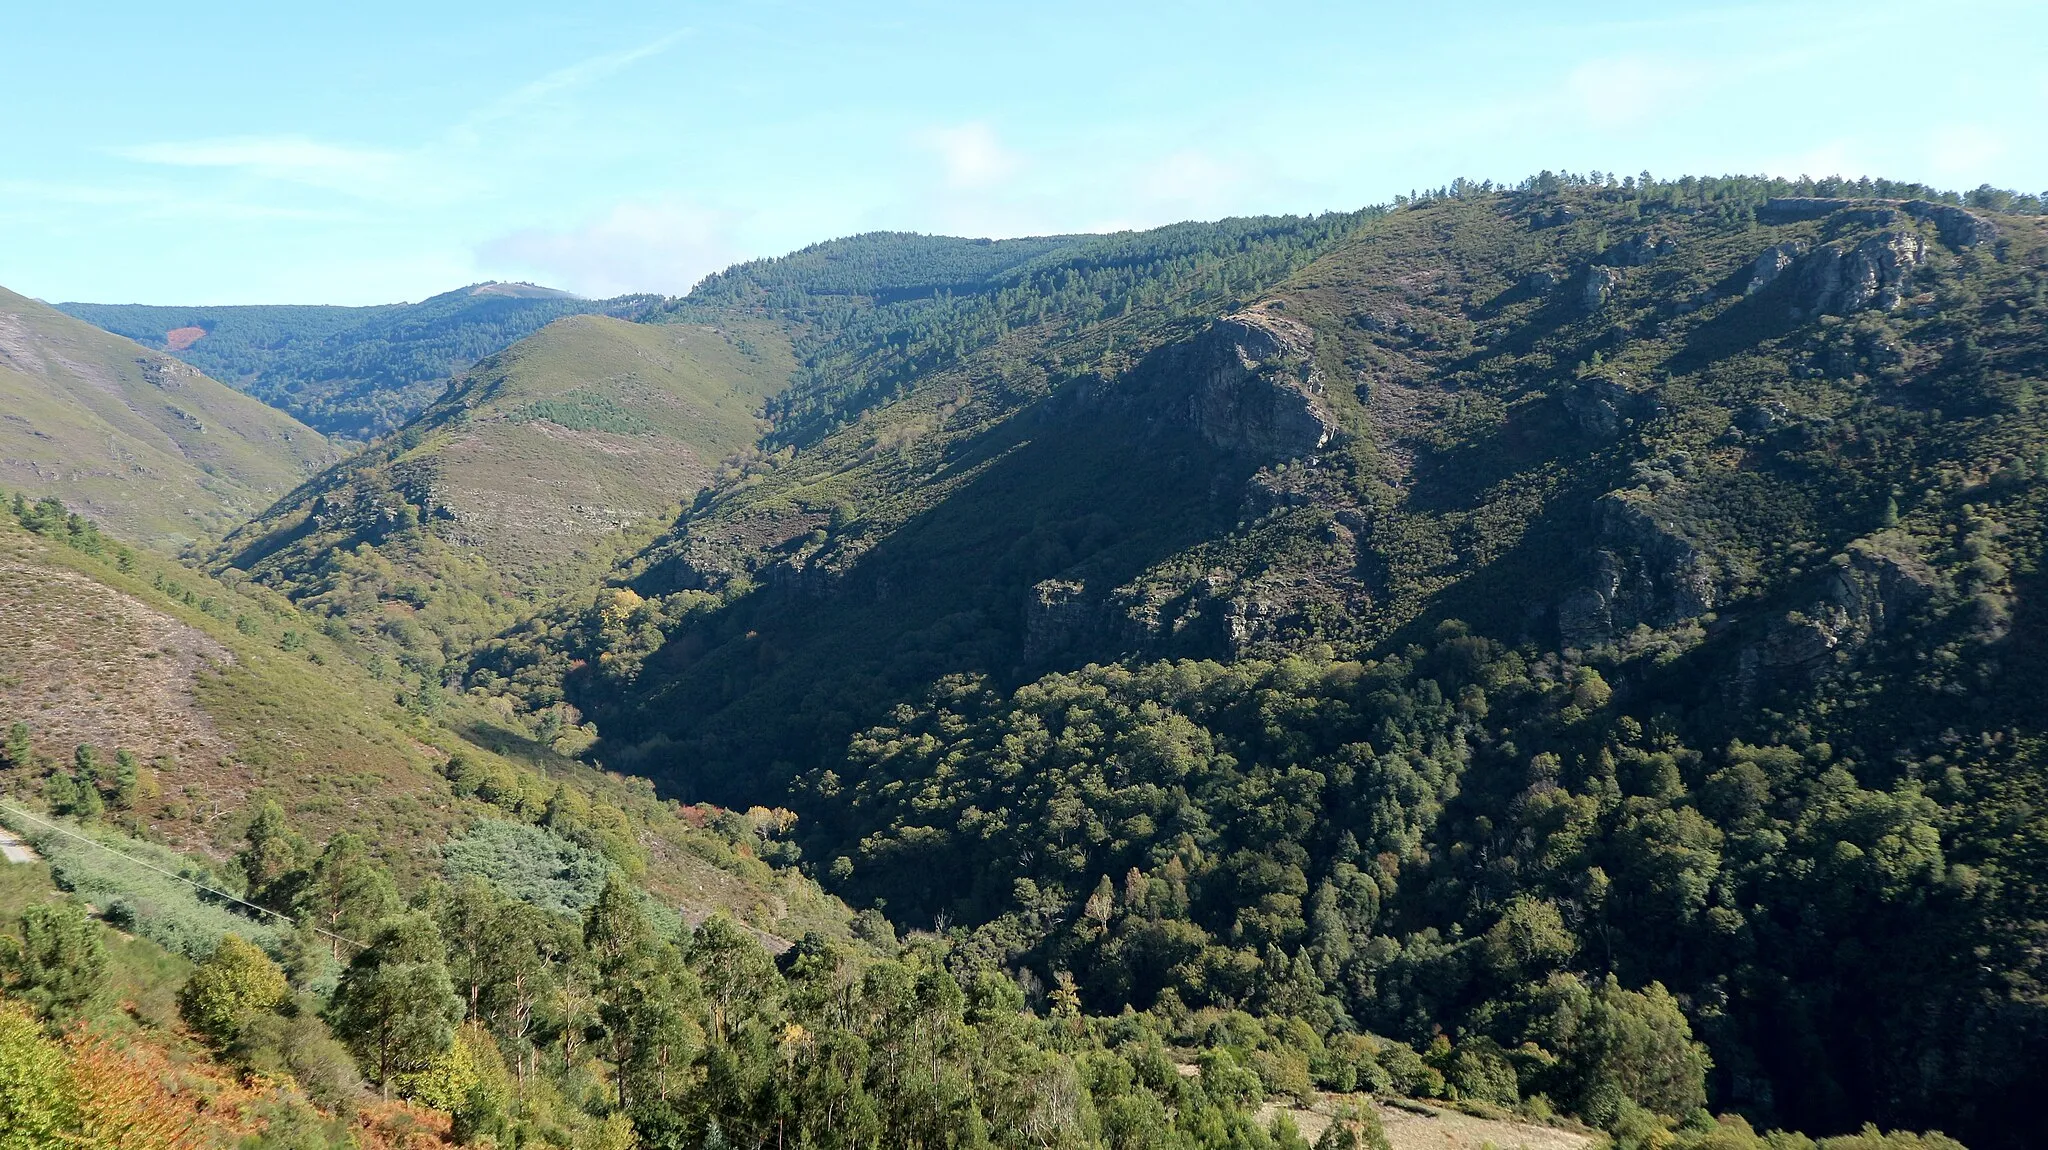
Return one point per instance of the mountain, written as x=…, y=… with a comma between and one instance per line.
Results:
x=352, y=372
x=135, y=438
x=1417, y=621
x=519, y=482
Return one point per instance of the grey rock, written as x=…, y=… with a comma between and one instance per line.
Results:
x=1596, y=287
x=1956, y=227
x=1056, y=613
x=1256, y=388
x=1795, y=209
x=1838, y=280
x=1602, y=407
x=1640, y=249
x=1543, y=279
x=1771, y=263
x=1642, y=573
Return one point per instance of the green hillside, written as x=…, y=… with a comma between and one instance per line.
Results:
x=353, y=372
x=525, y=480
x=1425, y=622
x=135, y=438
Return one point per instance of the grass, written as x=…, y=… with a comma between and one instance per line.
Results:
x=136, y=439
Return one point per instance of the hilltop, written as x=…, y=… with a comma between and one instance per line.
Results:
x=351, y=372
x=134, y=438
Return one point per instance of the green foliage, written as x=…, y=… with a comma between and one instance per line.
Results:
x=395, y=1007
x=38, y=1102
x=58, y=965
x=236, y=983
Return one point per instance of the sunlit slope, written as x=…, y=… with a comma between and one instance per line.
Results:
x=132, y=437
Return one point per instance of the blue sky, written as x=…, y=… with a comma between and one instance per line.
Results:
x=358, y=153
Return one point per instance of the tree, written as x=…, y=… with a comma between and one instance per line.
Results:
x=235, y=983
x=272, y=857
x=19, y=752
x=346, y=892
x=59, y=965
x=127, y=781
x=395, y=1007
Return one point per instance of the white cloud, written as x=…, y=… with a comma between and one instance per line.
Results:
x=295, y=159
x=652, y=247
x=971, y=156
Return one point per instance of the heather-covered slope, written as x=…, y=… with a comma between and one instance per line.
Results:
x=135, y=438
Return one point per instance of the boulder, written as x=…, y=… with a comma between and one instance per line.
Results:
x=1956, y=227
x=1596, y=287
x=1641, y=572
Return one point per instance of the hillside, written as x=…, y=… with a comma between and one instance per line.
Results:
x=521, y=482
x=225, y=696
x=1515, y=594
x=135, y=438
x=352, y=372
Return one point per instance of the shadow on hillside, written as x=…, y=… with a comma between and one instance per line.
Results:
x=779, y=679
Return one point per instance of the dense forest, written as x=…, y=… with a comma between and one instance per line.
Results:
x=1552, y=664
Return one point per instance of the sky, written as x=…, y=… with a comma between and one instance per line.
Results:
x=371, y=152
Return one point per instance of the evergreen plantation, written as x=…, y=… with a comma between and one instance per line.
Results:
x=1561, y=659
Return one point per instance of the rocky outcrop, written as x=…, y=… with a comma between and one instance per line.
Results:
x=1771, y=263
x=1956, y=227
x=1641, y=573
x=1247, y=384
x=1057, y=612
x=1596, y=287
x=1838, y=280
x=1603, y=407
x=1640, y=249
x=1870, y=588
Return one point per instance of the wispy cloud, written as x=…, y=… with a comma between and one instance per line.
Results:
x=637, y=246
x=293, y=159
x=970, y=156
x=565, y=79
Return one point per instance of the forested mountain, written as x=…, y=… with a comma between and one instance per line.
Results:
x=1511, y=591
x=133, y=437
x=352, y=372
x=1564, y=654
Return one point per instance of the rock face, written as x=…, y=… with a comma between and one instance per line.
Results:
x=1838, y=280
x=1640, y=249
x=1957, y=228
x=1772, y=263
x=1602, y=407
x=1642, y=573
x=1056, y=613
x=1596, y=287
x=1870, y=588
x=1248, y=384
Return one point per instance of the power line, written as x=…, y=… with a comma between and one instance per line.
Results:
x=193, y=883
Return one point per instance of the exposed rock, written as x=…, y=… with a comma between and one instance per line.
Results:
x=1838, y=280
x=1247, y=384
x=1870, y=589
x=1643, y=573
x=1957, y=228
x=1771, y=263
x=1763, y=416
x=1556, y=217
x=1640, y=249
x=1596, y=287
x=1602, y=407
x=1543, y=279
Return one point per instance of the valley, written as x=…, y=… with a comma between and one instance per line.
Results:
x=1553, y=664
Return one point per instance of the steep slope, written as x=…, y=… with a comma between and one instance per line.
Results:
x=355, y=372
x=518, y=482
x=225, y=695
x=133, y=437
x=1611, y=580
